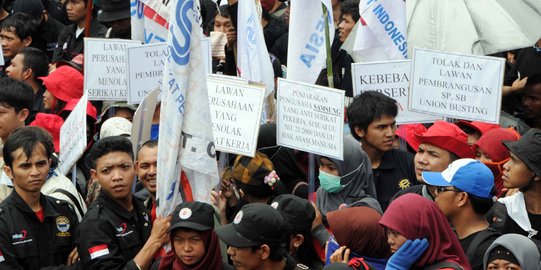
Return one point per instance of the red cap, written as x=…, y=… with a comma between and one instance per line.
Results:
x=52, y=123
x=480, y=127
x=64, y=83
x=90, y=109
x=408, y=132
x=449, y=137
x=491, y=143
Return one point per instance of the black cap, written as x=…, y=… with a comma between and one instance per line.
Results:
x=255, y=224
x=297, y=212
x=114, y=10
x=528, y=149
x=193, y=215
x=33, y=8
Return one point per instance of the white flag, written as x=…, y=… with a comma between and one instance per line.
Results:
x=307, y=53
x=382, y=28
x=147, y=25
x=185, y=136
x=253, y=59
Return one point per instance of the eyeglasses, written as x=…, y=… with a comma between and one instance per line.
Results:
x=443, y=189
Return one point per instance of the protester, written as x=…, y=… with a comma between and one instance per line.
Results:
x=350, y=16
x=346, y=182
x=440, y=145
x=490, y=150
x=464, y=193
x=194, y=244
x=27, y=66
x=61, y=85
x=420, y=236
x=299, y=215
x=475, y=129
x=116, y=14
x=405, y=138
x=371, y=118
x=36, y=231
x=512, y=251
x=357, y=234
x=16, y=34
x=146, y=168
x=119, y=224
x=531, y=100
x=257, y=239
x=520, y=212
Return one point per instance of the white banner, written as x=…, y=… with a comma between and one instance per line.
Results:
x=185, y=121
x=145, y=65
x=253, y=59
x=391, y=79
x=307, y=53
x=105, y=68
x=386, y=22
x=73, y=136
x=310, y=118
x=236, y=111
x=456, y=85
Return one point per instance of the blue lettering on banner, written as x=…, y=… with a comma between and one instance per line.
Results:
x=180, y=50
x=171, y=191
x=149, y=36
x=139, y=10
x=390, y=27
x=251, y=29
x=317, y=39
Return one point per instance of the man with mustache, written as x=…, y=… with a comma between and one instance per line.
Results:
x=146, y=169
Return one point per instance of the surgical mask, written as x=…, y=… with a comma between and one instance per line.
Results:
x=329, y=182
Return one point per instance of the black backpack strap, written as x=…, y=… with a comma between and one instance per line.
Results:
x=444, y=264
x=72, y=198
x=478, y=240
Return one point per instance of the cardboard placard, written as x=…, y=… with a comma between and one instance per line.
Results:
x=457, y=85
x=390, y=78
x=310, y=118
x=145, y=65
x=73, y=136
x=105, y=68
x=235, y=110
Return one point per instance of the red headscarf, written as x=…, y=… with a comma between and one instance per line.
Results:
x=416, y=217
x=211, y=260
x=359, y=230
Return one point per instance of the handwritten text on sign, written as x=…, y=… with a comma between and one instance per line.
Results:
x=310, y=118
x=105, y=68
x=458, y=86
x=391, y=79
x=235, y=110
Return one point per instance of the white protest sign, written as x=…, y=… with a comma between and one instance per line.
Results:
x=145, y=69
x=310, y=118
x=235, y=110
x=73, y=136
x=390, y=78
x=456, y=85
x=207, y=54
x=2, y=62
x=142, y=120
x=105, y=68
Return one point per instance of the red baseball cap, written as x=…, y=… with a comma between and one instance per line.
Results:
x=491, y=143
x=447, y=136
x=480, y=127
x=408, y=132
x=64, y=83
x=52, y=123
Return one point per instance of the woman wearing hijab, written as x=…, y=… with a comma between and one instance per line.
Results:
x=346, y=182
x=420, y=236
x=358, y=230
x=194, y=244
x=512, y=251
x=490, y=150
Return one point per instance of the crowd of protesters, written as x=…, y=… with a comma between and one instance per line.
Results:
x=452, y=194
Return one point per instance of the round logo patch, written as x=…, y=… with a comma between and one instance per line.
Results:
x=62, y=224
x=185, y=213
x=274, y=205
x=238, y=218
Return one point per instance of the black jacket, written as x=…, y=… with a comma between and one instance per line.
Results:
x=69, y=45
x=113, y=234
x=27, y=243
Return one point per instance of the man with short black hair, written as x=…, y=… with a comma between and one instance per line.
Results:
x=28, y=66
x=15, y=34
x=464, y=193
x=146, y=167
x=350, y=16
x=371, y=118
x=122, y=235
x=531, y=100
x=258, y=238
x=36, y=231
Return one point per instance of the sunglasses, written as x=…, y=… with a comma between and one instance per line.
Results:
x=444, y=189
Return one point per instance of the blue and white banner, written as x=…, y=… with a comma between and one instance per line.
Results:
x=307, y=53
x=185, y=136
x=253, y=61
x=383, y=21
x=148, y=25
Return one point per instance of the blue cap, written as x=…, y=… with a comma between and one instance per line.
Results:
x=468, y=175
